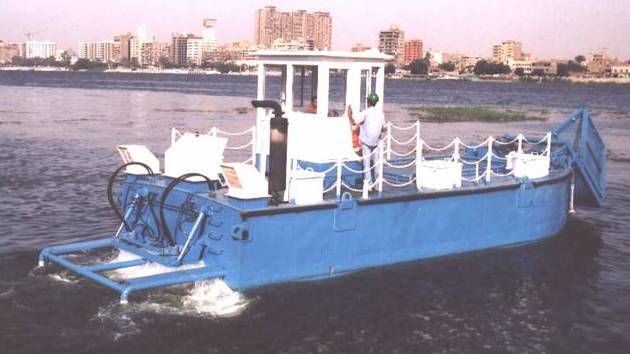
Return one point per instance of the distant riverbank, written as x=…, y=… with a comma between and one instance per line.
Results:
x=473, y=78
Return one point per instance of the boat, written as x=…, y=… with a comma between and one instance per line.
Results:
x=296, y=206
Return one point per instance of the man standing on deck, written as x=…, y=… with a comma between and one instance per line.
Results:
x=371, y=123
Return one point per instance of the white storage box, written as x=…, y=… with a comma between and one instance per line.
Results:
x=306, y=187
x=439, y=174
x=528, y=165
x=193, y=153
x=138, y=153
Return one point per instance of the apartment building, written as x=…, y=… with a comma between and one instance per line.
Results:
x=8, y=51
x=38, y=49
x=506, y=51
x=100, y=51
x=392, y=41
x=314, y=30
x=413, y=50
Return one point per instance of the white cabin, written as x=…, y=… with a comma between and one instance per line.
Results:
x=294, y=78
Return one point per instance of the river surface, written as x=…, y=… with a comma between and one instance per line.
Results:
x=567, y=294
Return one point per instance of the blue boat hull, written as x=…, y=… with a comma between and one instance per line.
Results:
x=314, y=243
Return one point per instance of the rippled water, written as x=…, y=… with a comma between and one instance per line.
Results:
x=568, y=294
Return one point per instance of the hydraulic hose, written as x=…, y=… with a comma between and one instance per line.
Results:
x=167, y=191
x=110, y=190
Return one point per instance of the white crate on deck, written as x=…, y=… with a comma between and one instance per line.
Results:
x=439, y=174
x=528, y=165
x=138, y=153
x=306, y=187
x=194, y=153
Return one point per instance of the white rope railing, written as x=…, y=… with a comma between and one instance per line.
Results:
x=409, y=127
x=412, y=139
x=444, y=148
x=383, y=153
x=399, y=154
x=239, y=147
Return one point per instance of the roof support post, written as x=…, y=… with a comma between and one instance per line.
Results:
x=380, y=86
x=323, y=76
x=288, y=89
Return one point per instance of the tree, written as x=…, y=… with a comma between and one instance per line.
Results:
x=563, y=69
x=447, y=66
x=481, y=67
x=390, y=69
x=519, y=72
x=419, y=67
x=580, y=59
x=575, y=67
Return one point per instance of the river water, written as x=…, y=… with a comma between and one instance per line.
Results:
x=568, y=294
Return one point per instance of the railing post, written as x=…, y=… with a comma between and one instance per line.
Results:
x=365, y=191
x=381, y=157
x=489, y=158
x=173, y=136
x=418, y=155
x=548, y=149
x=389, y=140
x=520, y=144
x=338, y=178
x=456, y=150
x=254, y=146
x=213, y=132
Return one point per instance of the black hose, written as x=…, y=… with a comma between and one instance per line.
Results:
x=110, y=190
x=167, y=191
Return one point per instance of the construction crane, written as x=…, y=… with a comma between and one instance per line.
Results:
x=30, y=34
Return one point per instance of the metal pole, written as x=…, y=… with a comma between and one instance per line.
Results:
x=489, y=158
x=192, y=233
x=389, y=140
x=127, y=215
x=380, y=166
x=456, y=150
x=338, y=179
x=572, y=197
x=418, y=155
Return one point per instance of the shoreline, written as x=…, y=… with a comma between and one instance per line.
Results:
x=124, y=71
x=562, y=80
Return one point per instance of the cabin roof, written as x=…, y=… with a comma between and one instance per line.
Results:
x=316, y=56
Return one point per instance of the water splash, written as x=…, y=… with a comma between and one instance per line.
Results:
x=63, y=278
x=216, y=298
x=144, y=270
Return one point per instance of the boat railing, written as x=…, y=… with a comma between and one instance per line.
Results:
x=412, y=153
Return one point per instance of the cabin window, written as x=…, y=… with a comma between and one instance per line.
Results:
x=338, y=81
x=274, y=78
x=304, y=87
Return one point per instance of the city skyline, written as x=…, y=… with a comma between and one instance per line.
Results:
x=455, y=26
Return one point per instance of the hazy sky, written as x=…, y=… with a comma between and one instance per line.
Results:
x=547, y=28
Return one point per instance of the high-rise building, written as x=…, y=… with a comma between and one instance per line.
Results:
x=194, y=50
x=506, y=51
x=37, y=49
x=100, y=51
x=313, y=30
x=8, y=51
x=178, y=49
x=123, y=39
x=413, y=50
x=392, y=42
x=209, y=38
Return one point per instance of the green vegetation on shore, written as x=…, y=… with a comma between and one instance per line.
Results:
x=447, y=114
